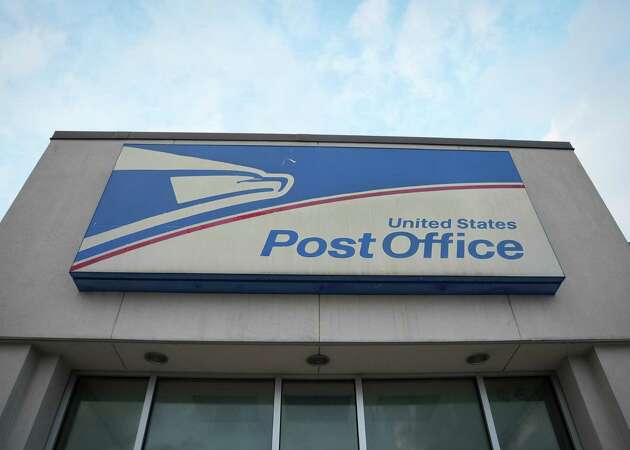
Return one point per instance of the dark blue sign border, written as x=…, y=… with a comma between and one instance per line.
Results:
x=313, y=284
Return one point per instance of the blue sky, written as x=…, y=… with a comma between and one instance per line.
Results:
x=488, y=69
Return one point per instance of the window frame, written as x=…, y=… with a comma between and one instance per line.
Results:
x=477, y=377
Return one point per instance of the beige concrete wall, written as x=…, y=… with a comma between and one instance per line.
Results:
x=41, y=232
x=17, y=363
x=31, y=386
x=595, y=386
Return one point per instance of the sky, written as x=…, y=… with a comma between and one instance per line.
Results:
x=548, y=70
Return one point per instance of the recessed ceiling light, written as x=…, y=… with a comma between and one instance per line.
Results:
x=477, y=358
x=156, y=357
x=318, y=360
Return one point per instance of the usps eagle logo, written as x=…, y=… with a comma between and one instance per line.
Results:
x=151, y=193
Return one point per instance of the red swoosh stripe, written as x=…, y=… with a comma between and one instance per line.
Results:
x=276, y=209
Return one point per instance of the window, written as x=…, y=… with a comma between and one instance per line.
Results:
x=318, y=415
x=410, y=414
x=103, y=414
x=526, y=414
x=213, y=415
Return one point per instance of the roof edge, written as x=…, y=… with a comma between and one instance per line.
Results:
x=333, y=138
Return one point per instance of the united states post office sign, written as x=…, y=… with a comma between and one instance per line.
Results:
x=313, y=219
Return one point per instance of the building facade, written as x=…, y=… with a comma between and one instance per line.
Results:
x=110, y=342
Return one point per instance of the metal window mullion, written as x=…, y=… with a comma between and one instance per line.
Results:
x=61, y=412
x=277, y=404
x=487, y=412
x=566, y=413
x=146, y=411
x=360, y=414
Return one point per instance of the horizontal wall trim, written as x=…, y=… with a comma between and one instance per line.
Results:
x=306, y=376
x=34, y=340
x=327, y=138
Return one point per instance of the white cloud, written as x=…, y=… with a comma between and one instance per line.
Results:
x=420, y=54
x=299, y=18
x=482, y=17
x=442, y=44
x=27, y=51
x=452, y=68
x=370, y=20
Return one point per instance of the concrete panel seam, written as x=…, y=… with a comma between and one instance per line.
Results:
x=509, y=360
x=122, y=361
x=319, y=328
x=319, y=319
x=518, y=328
x=122, y=299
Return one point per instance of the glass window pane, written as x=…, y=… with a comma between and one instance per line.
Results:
x=423, y=414
x=103, y=414
x=526, y=414
x=211, y=414
x=318, y=415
